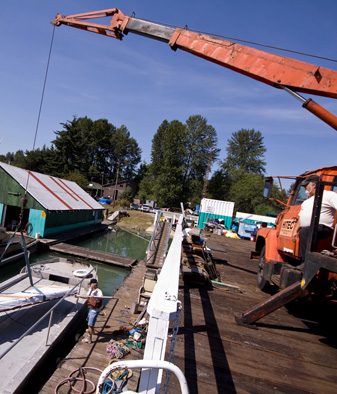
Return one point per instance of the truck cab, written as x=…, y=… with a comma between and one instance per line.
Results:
x=279, y=261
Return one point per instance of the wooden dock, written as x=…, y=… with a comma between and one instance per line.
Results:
x=95, y=255
x=292, y=351
x=116, y=313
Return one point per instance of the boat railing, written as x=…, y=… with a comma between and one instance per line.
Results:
x=173, y=217
x=49, y=313
x=156, y=224
x=159, y=241
x=134, y=364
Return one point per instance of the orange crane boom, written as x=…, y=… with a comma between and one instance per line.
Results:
x=278, y=71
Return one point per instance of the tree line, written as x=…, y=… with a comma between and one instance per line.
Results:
x=182, y=159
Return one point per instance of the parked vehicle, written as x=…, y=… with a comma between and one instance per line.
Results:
x=279, y=262
x=145, y=208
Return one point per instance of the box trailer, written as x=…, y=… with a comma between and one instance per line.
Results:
x=215, y=210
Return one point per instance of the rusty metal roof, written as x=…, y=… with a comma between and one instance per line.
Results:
x=54, y=194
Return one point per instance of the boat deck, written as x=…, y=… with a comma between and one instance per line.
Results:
x=28, y=355
x=293, y=350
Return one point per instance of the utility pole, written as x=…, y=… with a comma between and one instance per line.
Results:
x=204, y=189
x=115, y=190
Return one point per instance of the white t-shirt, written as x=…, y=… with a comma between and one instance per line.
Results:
x=97, y=293
x=328, y=210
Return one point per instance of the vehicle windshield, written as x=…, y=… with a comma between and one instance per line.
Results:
x=299, y=195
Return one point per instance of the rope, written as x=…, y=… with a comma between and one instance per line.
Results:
x=42, y=97
x=71, y=380
x=24, y=200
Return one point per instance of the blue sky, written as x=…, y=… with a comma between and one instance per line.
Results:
x=139, y=82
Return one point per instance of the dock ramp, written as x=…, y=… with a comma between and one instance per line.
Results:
x=157, y=249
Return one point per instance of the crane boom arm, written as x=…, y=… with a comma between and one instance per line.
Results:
x=274, y=70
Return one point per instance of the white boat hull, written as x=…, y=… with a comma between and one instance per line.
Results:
x=36, y=348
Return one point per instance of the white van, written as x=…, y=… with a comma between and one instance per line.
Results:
x=145, y=208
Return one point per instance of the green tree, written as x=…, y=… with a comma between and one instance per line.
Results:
x=127, y=195
x=199, y=153
x=218, y=185
x=73, y=145
x=247, y=193
x=246, y=151
x=166, y=163
x=240, y=178
x=7, y=158
x=124, y=153
x=145, y=183
x=78, y=178
x=179, y=159
x=97, y=147
x=19, y=159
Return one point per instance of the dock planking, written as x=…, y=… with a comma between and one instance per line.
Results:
x=95, y=255
x=116, y=313
x=291, y=351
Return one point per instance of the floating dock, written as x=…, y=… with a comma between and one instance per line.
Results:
x=94, y=255
x=59, y=244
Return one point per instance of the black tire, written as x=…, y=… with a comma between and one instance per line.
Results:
x=262, y=281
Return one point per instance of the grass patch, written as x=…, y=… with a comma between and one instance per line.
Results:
x=137, y=222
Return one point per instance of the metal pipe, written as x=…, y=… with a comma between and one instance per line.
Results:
x=50, y=320
x=294, y=94
x=314, y=108
x=153, y=364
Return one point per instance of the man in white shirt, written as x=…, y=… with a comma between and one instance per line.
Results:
x=95, y=298
x=327, y=215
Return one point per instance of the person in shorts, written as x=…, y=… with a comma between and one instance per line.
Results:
x=95, y=298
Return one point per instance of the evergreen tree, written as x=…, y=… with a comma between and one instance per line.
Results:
x=8, y=158
x=167, y=157
x=240, y=178
x=179, y=159
x=200, y=151
x=97, y=147
x=246, y=151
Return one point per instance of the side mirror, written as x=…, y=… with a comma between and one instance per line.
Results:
x=268, y=185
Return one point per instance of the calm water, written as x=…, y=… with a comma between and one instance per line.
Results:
x=118, y=242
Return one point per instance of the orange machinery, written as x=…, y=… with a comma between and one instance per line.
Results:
x=278, y=71
x=278, y=254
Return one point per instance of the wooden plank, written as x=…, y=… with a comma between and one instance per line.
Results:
x=292, y=351
x=286, y=354
x=95, y=255
x=116, y=313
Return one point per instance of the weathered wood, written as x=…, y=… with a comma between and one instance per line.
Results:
x=95, y=255
x=289, y=353
x=292, y=351
x=116, y=313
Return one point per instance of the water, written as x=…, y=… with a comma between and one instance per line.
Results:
x=109, y=277
x=118, y=242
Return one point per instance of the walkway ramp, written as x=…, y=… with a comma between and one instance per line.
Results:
x=156, y=252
